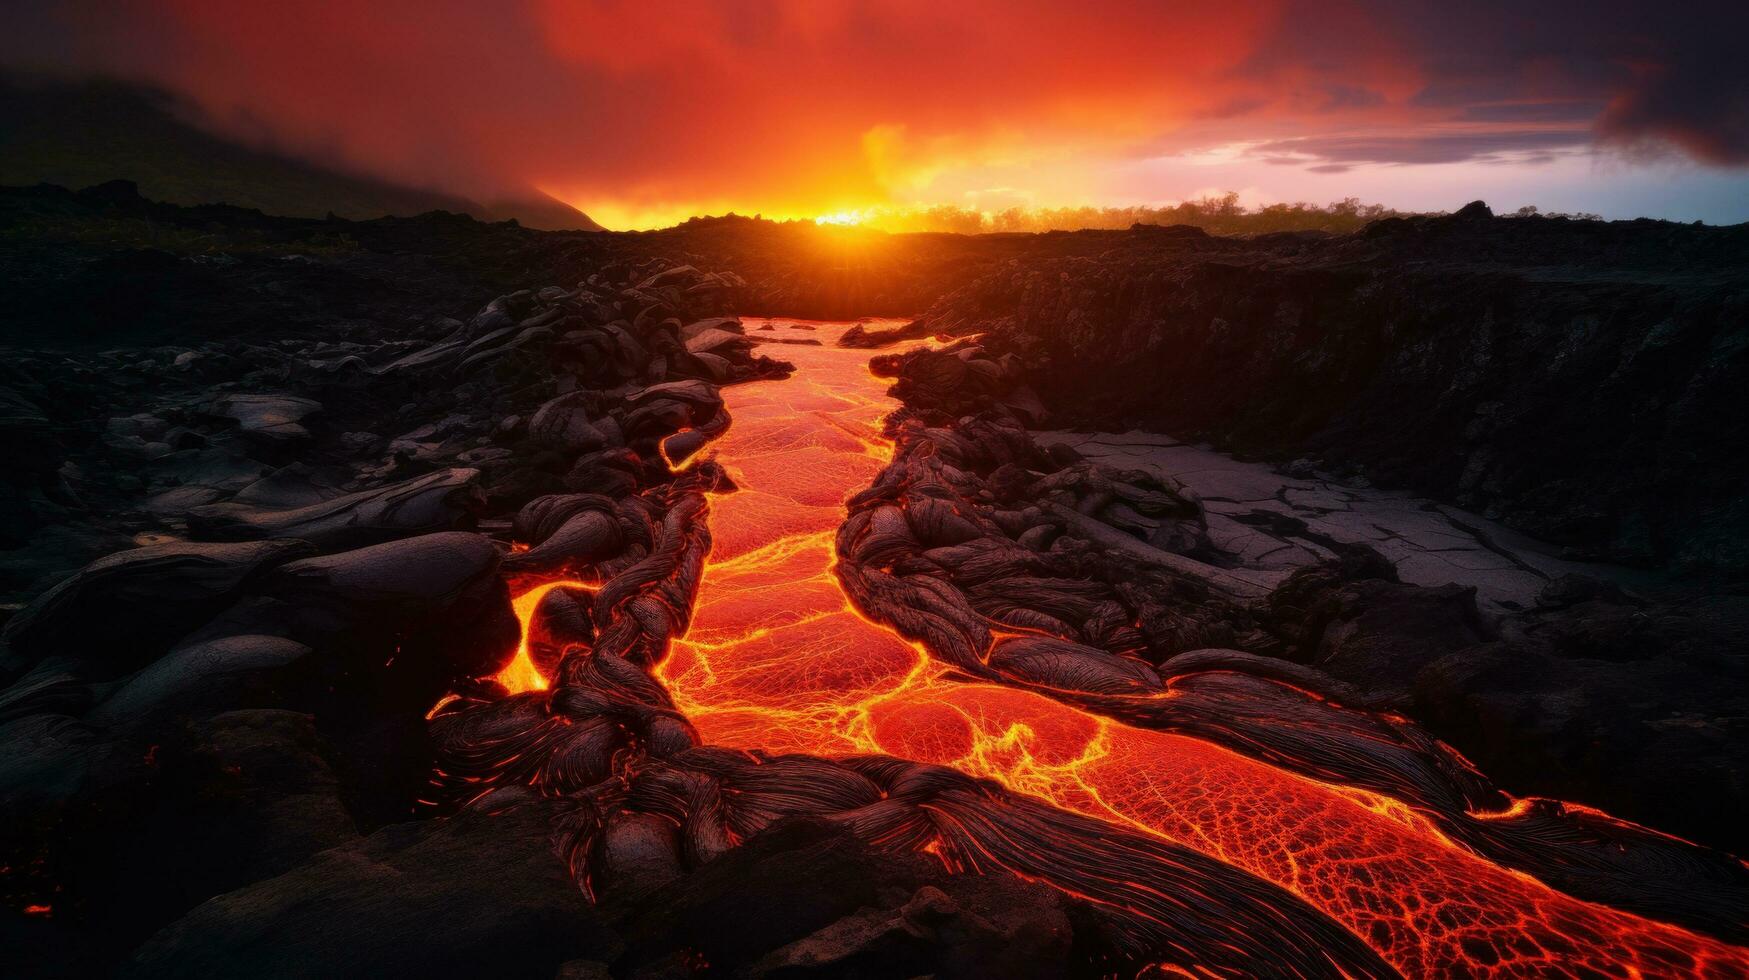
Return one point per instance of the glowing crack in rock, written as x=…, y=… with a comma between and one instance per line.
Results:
x=777, y=659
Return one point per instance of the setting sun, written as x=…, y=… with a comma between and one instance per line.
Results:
x=850, y=217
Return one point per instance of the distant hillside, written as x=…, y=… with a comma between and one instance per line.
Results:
x=77, y=134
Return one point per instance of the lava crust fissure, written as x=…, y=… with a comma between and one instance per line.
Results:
x=766, y=710
x=607, y=738
x=978, y=601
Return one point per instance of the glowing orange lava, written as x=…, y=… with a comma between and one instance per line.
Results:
x=521, y=674
x=777, y=659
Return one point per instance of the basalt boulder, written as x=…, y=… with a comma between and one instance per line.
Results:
x=445, y=500
x=438, y=593
x=272, y=421
x=123, y=610
x=201, y=678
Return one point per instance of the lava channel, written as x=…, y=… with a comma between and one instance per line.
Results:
x=776, y=659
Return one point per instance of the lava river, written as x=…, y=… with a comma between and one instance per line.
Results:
x=777, y=659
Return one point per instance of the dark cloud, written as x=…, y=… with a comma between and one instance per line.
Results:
x=1576, y=111
x=1628, y=72
x=1418, y=149
x=1702, y=112
x=1338, y=97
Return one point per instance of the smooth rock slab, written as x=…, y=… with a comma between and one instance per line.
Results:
x=209, y=675
x=429, y=568
x=1430, y=545
x=121, y=611
x=564, y=423
x=441, y=501
x=433, y=604
x=271, y=418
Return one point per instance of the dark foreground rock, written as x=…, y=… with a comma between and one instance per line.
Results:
x=472, y=896
x=120, y=612
x=329, y=533
x=810, y=900
x=485, y=894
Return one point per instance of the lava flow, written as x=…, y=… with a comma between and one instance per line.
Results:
x=777, y=659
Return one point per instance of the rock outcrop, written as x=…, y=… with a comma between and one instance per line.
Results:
x=1575, y=380
x=199, y=730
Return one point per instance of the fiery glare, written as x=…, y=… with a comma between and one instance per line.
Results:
x=850, y=217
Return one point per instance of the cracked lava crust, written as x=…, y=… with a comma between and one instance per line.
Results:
x=1220, y=821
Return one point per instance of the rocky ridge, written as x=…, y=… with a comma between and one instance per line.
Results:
x=1575, y=380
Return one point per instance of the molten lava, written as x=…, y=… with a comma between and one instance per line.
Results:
x=777, y=659
x=521, y=674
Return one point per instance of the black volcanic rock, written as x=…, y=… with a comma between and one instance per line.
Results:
x=1576, y=380
x=440, y=501
x=860, y=336
x=233, y=799
x=1379, y=635
x=122, y=611
x=200, y=678
x=196, y=751
x=961, y=380
x=476, y=895
x=808, y=899
x=437, y=591
x=1634, y=706
x=272, y=420
x=204, y=715
x=566, y=530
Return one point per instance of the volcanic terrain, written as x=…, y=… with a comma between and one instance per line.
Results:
x=429, y=597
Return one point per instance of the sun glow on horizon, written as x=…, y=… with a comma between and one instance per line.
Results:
x=852, y=216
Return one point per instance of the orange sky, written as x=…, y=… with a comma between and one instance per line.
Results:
x=643, y=113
